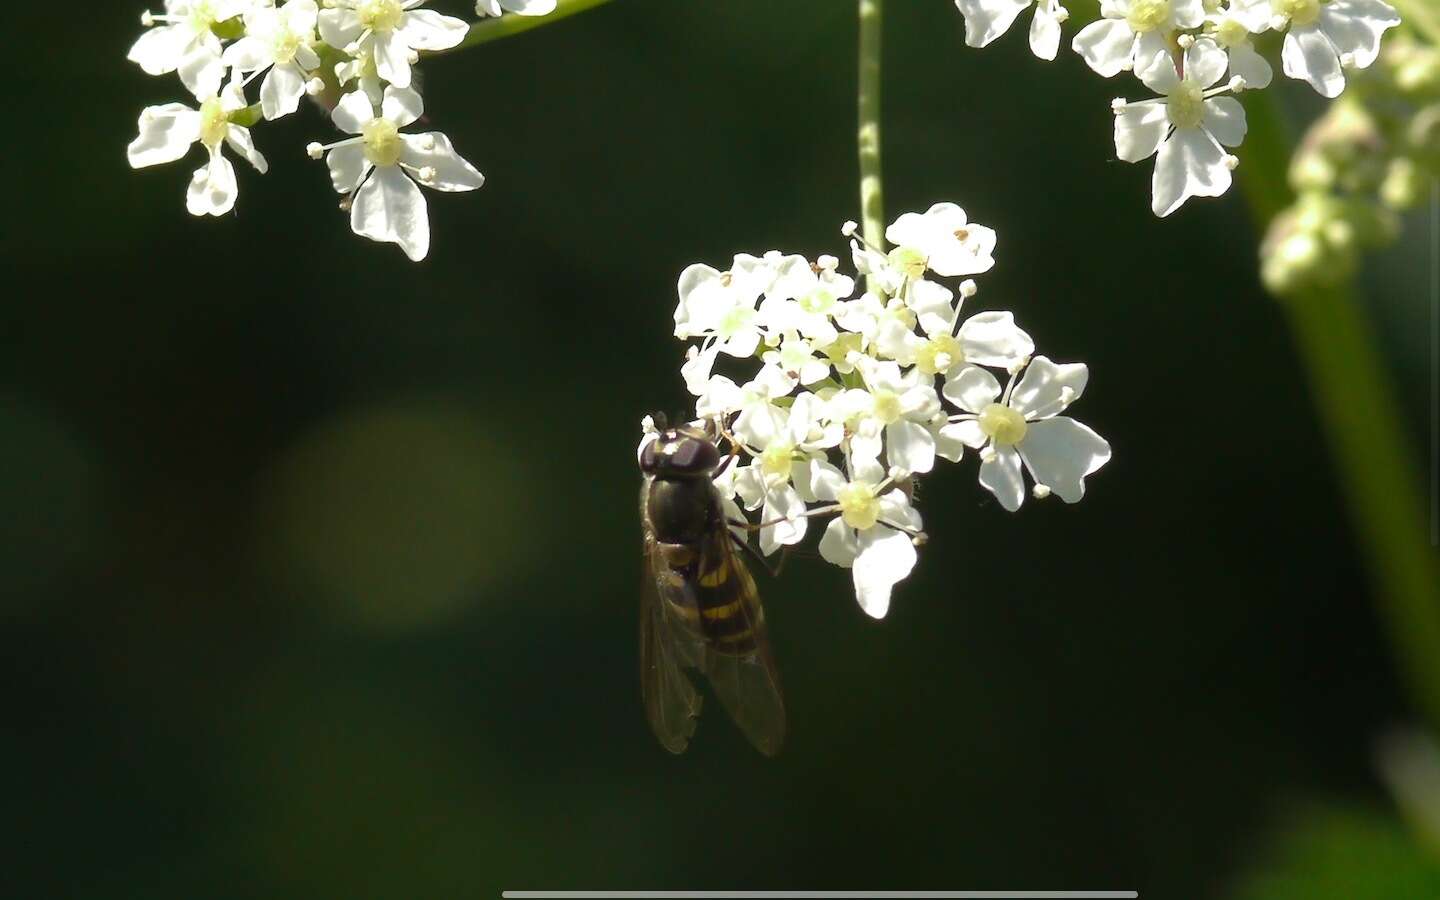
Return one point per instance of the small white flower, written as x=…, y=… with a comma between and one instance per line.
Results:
x=519, y=7
x=986, y=20
x=1231, y=30
x=871, y=536
x=1325, y=36
x=278, y=39
x=986, y=339
x=1024, y=424
x=720, y=307
x=940, y=240
x=391, y=30
x=377, y=167
x=896, y=405
x=184, y=42
x=803, y=298
x=795, y=359
x=360, y=69
x=1132, y=32
x=166, y=133
x=1187, y=126
x=779, y=440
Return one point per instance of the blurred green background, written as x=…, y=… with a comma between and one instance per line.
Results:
x=318, y=569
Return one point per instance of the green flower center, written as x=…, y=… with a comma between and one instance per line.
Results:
x=382, y=142
x=1186, y=104
x=1147, y=15
x=887, y=406
x=380, y=15
x=1231, y=33
x=858, y=506
x=777, y=460
x=908, y=261
x=213, y=124
x=1002, y=424
x=1299, y=12
x=817, y=301
x=939, y=355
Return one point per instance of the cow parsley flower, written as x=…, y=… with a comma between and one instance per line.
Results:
x=184, y=41
x=166, y=133
x=1230, y=29
x=391, y=30
x=873, y=532
x=986, y=20
x=281, y=40
x=1024, y=424
x=1131, y=33
x=1187, y=126
x=379, y=168
x=1324, y=37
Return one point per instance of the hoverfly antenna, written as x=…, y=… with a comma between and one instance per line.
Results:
x=660, y=420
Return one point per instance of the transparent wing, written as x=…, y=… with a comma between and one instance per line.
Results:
x=671, y=702
x=738, y=661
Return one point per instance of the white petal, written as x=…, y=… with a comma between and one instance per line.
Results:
x=1045, y=30
x=749, y=486
x=280, y=94
x=1190, y=164
x=340, y=27
x=1251, y=66
x=910, y=446
x=838, y=545
x=212, y=191
x=885, y=557
x=1047, y=388
x=201, y=71
x=1307, y=54
x=1060, y=452
x=966, y=432
x=159, y=50
x=759, y=424
x=1107, y=45
x=353, y=112
x=348, y=166
x=238, y=139
x=452, y=173
x=968, y=256
x=779, y=504
x=986, y=20
x=1225, y=120
x=948, y=443
x=1154, y=65
x=1355, y=26
x=1001, y=476
x=391, y=208
x=972, y=389
x=696, y=373
x=249, y=54
x=825, y=480
x=392, y=58
x=425, y=29
x=529, y=7
x=402, y=106
x=1187, y=13
x=993, y=339
x=166, y=133
x=1139, y=129
x=1205, y=62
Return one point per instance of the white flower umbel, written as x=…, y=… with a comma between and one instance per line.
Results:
x=827, y=381
x=1230, y=29
x=166, y=133
x=182, y=39
x=518, y=7
x=1187, y=126
x=278, y=39
x=1324, y=37
x=1132, y=32
x=986, y=20
x=392, y=30
x=377, y=166
x=1023, y=424
x=872, y=533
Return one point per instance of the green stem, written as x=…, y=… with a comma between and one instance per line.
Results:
x=1362, y=425
x=1422, y=15
x=872, y=197
x=488, y=30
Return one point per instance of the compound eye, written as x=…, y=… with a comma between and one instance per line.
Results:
x=648, y=459
x=695, y=456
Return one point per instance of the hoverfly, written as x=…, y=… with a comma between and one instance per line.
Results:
x=699, y=609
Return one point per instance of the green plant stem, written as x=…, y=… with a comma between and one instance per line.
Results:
x=488, y=30
x=872, y=195
x=1362, y=425
x=1422, y=15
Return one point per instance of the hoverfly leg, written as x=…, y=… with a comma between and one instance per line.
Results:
x=759, y=557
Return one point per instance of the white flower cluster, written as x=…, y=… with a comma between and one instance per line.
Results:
x=364, y=48
x=1192, y=53
x=842, y=401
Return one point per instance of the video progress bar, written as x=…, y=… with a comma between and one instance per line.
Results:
x=815, y=894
